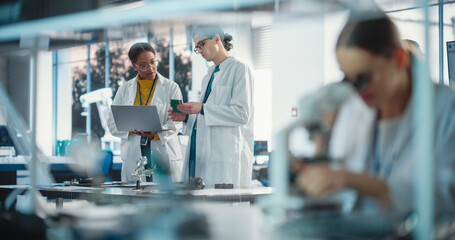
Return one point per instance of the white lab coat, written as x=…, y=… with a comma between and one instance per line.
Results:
x=352, y=140
x=168, y=147
x=224, y=140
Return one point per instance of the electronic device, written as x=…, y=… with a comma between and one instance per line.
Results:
x=174, y=103
x=134, y=117
x=6, y=143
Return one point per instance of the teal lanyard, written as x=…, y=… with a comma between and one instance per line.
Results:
x=209, y=86
x=192, y=158
x=150, y=93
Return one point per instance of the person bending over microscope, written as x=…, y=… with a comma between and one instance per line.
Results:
x=375, y=131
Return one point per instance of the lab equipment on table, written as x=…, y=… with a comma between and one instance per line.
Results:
x=224, y=186
x=103, y=99
x=144, y=168
x=317, y=114
x=196, y=184
x=309, y=138
x=63, y=147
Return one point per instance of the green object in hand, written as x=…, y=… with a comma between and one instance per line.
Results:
x=174, y=103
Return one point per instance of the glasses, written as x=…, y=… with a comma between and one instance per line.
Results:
x=361, y=82
x=145, y=67
x=200, y=45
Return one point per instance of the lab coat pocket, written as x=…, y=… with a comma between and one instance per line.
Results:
x=225, y=144
x=176, y=170
x=220, y=95
x=173, y=149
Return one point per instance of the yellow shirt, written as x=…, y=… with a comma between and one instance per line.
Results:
x=145, y=86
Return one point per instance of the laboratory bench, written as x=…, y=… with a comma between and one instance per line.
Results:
x=107, y=193
x=217, y=213
x=121, y=213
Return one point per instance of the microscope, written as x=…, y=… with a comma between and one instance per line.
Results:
x=142, y=170
x=318, y=112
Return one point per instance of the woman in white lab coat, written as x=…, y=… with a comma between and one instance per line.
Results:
x=374, y=130
x=148, y=88
x=220, y=124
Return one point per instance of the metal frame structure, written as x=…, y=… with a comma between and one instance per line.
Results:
x=158, y=10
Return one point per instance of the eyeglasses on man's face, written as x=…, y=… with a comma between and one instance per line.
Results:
x=200, y=45
x=145, y=67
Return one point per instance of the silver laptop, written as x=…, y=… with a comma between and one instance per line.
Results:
x=133, y=117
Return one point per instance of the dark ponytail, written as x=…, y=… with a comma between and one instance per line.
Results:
x=373, y=31
x=226, y=42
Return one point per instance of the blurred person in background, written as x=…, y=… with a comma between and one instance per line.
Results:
x=374, y=130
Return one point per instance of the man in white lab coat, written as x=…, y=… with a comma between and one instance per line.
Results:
x=220, y=124
x=156, y=90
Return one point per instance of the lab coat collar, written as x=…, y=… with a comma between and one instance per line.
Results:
x=160, y=78
x=225, y=62
x=133, y=88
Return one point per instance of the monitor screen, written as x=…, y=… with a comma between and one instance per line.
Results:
x=260, y=148
x=5, y=139
x=451, y=61
x=261, y=153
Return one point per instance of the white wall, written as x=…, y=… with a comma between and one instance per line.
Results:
x=198, y=71
x=243, y=50
x=242, y=42
x=64, y=95
x=44, y=103
x=263, y=105
x=298, y=64
x=334, y=23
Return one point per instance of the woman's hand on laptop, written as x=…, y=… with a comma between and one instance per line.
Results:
x=149, y=135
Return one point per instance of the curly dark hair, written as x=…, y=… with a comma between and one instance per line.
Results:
x=137, y=49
